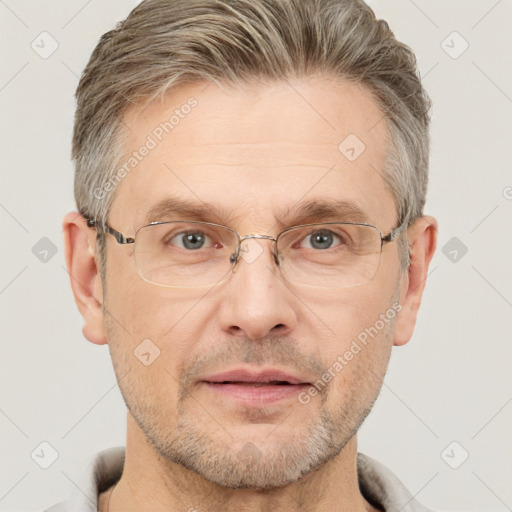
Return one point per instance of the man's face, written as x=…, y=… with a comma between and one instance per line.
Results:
x=254, y=154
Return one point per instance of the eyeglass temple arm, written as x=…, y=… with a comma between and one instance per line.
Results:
x=393, y=234
x=102, y=227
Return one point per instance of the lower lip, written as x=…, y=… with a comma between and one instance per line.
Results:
x=257, y=395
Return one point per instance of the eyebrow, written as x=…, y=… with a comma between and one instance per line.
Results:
x=174, y=208
x=325, y=210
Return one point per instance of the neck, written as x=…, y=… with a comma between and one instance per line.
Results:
x=150, y=482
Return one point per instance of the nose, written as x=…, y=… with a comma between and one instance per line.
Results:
x=256, y=301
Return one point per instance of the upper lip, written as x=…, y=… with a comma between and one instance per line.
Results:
x=261, y=375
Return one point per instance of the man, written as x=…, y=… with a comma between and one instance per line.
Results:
x=250, y=177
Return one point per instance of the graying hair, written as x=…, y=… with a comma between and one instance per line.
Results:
x=163, y=44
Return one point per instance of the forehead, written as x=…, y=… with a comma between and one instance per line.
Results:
x=250, y=154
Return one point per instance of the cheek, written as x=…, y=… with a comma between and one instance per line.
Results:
x=152, y=330
x=147, y=363
x=354, y=333
x=145, y=310
x=359, y=366
x=341, y=316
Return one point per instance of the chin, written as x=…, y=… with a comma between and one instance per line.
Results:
x=258, y=457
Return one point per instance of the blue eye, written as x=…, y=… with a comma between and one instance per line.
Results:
x=321, y=240
x=191, y=240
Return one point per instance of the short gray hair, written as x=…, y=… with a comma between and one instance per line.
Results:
x=163, y=44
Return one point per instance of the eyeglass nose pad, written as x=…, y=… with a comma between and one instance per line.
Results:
x=233, y=258
x=277, y=258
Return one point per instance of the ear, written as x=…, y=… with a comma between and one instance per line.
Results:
x=422, y=245
x=83, y=269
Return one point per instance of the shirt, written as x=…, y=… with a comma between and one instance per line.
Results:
x=378, y=484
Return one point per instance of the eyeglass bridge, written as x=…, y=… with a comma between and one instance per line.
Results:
x=233, y=258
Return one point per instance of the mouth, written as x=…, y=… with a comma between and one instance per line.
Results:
x=256, y=388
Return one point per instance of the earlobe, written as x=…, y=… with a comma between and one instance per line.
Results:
x=83, y=270
x=422, y=244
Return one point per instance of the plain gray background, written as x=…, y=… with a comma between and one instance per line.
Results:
x=451, y=383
